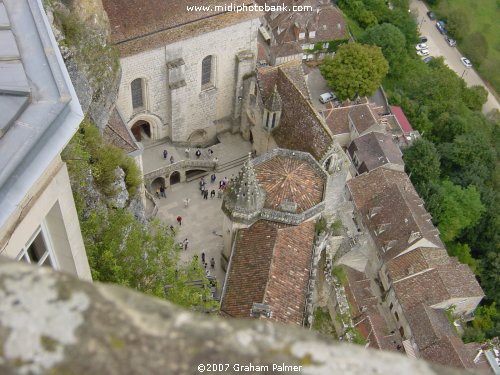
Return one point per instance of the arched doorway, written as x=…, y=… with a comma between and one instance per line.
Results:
x=141, y=129
x=251, y=137
x=175, y=178
x=157, y=183
x=197, y=137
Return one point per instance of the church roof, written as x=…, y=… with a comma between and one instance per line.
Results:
x=270, y=265
x=287, y=180
x=139, y=25
x=273, y=103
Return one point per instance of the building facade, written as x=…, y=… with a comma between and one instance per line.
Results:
x=40, y=114
x=182, y=70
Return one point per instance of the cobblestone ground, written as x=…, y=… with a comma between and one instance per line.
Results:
x=202, y=219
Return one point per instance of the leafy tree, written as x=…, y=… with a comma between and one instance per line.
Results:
x=447, y=127
x=490, y=276
x=458, y=23
x=463, y=253
x=379, y=9
x=389, y=38
x=486, y=324
x=474, y=97
x=356, y=69
x=422, y=162
x=407, y=24
x=461, y=208
x=475, y=47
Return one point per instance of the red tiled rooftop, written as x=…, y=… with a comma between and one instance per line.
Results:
x=402, y=120
x=287, y=179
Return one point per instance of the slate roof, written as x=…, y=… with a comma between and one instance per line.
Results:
x=375, y=150
x=288, y=179
x=449, y=351
x=362, y=116
x=138, y=25
x=301, y=127
x=117, y=133
x=437, y=285
x=270, y=264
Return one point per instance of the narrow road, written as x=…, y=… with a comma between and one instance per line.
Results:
x=439, y=47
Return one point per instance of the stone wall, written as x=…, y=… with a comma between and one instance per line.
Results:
x=51, y=323
x=174, y=101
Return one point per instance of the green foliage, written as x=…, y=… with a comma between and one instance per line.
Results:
x=474, y=97
x=461, y=208
x=458, y=23
x=475, y=47
x=320, y=225
x=340, y=274
x=422, y=162
x=336, y=227
x=356, y=69
x=463, y=253
x=88, y=146
x=486, y=324
x=358, y=12
x=322, y=322
x=389, y=38
x=357, y=337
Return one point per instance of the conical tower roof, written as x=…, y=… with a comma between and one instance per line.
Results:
x=245, y=198
x=274, y=103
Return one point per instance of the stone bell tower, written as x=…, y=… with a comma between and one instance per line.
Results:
x=272, y=110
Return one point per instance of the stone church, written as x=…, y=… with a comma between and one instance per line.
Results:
x=182, y=71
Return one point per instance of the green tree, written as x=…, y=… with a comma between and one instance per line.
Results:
x=389, y=38
x=447, y=127
x=486, y=324
x=356, y=69
x=490, y=275
x=422, y=162
x=458, y=23
x=474, y=97
x=475, y=47
x=463, y=253
x=461, y=208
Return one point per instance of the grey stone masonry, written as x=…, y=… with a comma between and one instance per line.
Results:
x=51, y=323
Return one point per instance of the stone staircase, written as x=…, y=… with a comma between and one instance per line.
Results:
x=221, y=167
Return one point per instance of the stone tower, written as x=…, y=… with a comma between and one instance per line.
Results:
x=242, y=203
x=272, y=110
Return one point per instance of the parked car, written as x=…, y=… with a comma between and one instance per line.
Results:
x=431, y=15
x=428, y=59
x=423, y=52
x=421, y=46
x=440, y=25
x=423, y=39
x=466, y=62
x=327, y=97
x=451, y=42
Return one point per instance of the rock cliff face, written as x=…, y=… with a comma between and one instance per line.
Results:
x=81, y=28
x=51, y=323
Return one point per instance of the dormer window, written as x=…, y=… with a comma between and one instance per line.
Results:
x=302, y=36
x=312, y=34
x=326, y=45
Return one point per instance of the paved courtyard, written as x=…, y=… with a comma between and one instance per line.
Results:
x=202, y=219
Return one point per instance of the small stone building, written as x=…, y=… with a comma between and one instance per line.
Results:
x=270, y=213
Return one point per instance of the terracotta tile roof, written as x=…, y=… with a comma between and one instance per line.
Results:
x=362, y=116
x=437, y=285
x=393, y=211
x=374, y=150
x=301, y=127
x=402, y=120
x=325, y=20
x=416, y=261
x=428, y=325
x=138, y=25
x=367, y=318
x=117, y=134
x=287, y=179
x=270, y=264
x=449, y=351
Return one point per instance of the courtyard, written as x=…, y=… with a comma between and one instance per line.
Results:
x=202, y=218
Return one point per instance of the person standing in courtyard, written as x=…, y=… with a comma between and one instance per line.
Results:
x=186, y=243
x=205, y=194
x=203, y=257
x=198, y=153
x=172, y=159
x=165, y=153
x=179, y=220
x=187, y=151
x=212, y=263
x=158, y=193
x=186, y=202
x=212, y=194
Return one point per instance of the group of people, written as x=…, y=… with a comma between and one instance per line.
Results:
x=165, y=155
x=222, y=186
x=161, y=192
x=212, y=261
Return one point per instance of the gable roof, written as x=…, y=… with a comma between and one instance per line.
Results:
x=449, y=351
x=138, y=25
x=393, y=211
x=301, y=127
x=270, y=265
x=116, y=133
x=401, y=118
x=374, y=150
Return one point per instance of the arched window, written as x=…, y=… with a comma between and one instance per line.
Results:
x=274, y=121
x=137, y=93
x=206, y=71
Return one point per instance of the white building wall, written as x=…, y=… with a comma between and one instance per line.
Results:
x=195, y=109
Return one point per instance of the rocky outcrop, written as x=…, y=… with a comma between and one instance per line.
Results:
x=51, y=323
x=120, y=197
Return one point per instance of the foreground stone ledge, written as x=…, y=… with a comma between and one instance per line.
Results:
x=51, y=323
